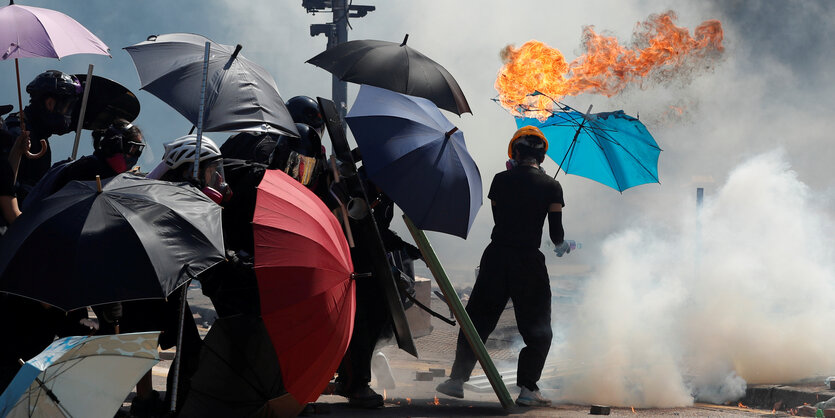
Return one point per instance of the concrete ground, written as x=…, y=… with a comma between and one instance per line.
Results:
x=413, y=397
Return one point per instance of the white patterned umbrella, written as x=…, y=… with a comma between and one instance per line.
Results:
x=80, y=376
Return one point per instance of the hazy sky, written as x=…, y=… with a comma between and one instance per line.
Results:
x=771, y=90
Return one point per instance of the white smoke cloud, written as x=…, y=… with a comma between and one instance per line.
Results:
x=740, y=292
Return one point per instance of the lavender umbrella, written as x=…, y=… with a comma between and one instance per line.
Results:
x=36, y=32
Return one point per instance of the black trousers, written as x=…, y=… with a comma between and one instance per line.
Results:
x=519, y=275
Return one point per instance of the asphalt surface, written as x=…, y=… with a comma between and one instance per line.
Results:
x=413, y=397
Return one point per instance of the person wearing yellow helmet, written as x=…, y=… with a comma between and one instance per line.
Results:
x=512, y=266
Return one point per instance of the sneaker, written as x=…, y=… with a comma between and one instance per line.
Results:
x=365, y=397
x=382, y=371
x=452, y=387
x=528, y=397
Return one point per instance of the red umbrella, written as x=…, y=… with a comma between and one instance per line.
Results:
x=304, y=272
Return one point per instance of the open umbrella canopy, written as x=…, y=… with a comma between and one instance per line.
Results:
x=136, y=239
x=240, y=94
x=27, y=31
x=238, y=373
x=396, y=67
x=80, y=376
x=107, y=101
x=418, y=158
x=611, y=148
x=304, y=271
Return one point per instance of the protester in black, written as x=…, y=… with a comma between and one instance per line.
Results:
x=115, y=150
x=513, y=268
x=52, y=98
x=259, y=147
x=178, y=166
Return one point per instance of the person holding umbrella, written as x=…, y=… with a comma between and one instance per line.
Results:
x=116, y=150
x=52, y=97
x=9, y=209
x=513, y=268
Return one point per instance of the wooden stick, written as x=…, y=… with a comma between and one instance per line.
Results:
x=461, y=315
x=98, y=183
x=83, y=111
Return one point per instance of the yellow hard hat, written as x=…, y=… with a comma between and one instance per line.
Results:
x=528, y=130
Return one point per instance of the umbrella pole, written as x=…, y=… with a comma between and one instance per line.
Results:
x=83, y=110
x=19, y=96
x=573, y=141
x=461, y=315
x=178, y=355
x=48, y=392
x=202, y=110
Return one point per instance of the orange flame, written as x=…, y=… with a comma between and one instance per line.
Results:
x=408, y=401
x=605, y=68
x=633, y=410
x=384, y=394
x=742, y=406
x=436, y=401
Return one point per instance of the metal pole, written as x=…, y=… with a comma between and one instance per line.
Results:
x=178, y=356
x=83, y=111
x=461, y=315
x=338, y=36
x=202, y=110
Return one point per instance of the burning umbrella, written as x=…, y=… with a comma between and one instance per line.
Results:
x=81, y=376
x=396, y=67
x=611, y=148
x=240, y=95
x=304, y=271
x=418, y=158
x=134, y=238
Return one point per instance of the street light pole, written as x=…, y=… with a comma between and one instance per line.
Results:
x=337, y=33
x=340, y=35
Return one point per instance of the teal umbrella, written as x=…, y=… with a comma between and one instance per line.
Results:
x=611, y=148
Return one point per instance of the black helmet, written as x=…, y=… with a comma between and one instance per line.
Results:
x=121, y=137
x=305, y=110
x=54, y=83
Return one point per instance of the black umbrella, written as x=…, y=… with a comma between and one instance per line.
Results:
x=135, y=238
x=395, y=67
x=238, y=374
x=107, y=101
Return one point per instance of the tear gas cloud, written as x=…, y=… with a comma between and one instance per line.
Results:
x=741, y=292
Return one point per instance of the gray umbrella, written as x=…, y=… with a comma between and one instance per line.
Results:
x=240, y=95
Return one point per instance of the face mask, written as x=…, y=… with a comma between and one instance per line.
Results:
x=219, y=197
x=58, y=124
x=117, y=163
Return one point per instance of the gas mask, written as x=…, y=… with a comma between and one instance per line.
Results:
x=59, y=120
x=213, y=182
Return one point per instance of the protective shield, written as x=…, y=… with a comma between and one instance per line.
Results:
x=368, y=234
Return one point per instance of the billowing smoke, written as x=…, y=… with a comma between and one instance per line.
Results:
x=740, y=292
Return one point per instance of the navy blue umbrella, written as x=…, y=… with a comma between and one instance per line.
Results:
x=418, y=158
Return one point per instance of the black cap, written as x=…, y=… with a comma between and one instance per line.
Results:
x=5, y=109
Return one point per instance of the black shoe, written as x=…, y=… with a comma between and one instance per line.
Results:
x=365, y=397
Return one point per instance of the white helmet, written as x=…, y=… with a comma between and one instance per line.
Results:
x=181, y=151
